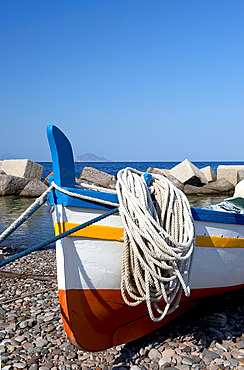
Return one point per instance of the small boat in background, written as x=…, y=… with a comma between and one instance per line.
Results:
x=94, y=313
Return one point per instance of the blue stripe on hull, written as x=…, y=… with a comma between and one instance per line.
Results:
x=199, y=214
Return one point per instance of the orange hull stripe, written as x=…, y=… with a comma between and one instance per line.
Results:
x=98, y=319
x=116, y=233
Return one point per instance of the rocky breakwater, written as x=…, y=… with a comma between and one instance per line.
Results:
x=203, y=182
x=21, y=177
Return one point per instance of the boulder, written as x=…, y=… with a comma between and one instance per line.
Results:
x=93, y=176
x=176, y=182
x=1, y=162
x=34, y=188
x=229, y=172
x=188, y=173
x=219, y=187
x=196, y=190
x=159, y=171
x=11, y=185
x=209, y=173
x=22, y=168
x=240, y=176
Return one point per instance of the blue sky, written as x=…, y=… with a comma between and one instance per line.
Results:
x=124, y=79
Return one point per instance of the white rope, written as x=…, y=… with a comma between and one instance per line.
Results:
x=84, y=197
x=158, y=242
x=82, y=185
x=40, y=200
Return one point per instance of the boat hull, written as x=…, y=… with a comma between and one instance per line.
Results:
x=89, y=272
x=89, y=262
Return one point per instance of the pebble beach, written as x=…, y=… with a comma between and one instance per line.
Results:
x=210, y=336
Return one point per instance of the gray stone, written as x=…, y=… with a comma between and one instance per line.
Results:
x=233, y=362
x=154, y=353
x=209, y=174
x=178, y=184
x=188, y=173
x=154, y=365
x=165, y=359
x=240, y=344
x=2, y=335
x=196, y=190
x=159, y=171
x=240, y=175
x=23, y=324
x=229, y=172
x=222, y=185
x=22, y=168
x=196, y=359
x=33, y=367
x=219, y=187
x=11, y=185
x=208, y=356
x=19, y=365
x=187, y=361
x=11, y=327
x=182, y=367
x=41, y=342
x=34, y=188
x=93, y=176
x=66, y=346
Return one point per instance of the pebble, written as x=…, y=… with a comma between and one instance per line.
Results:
x=209, y=337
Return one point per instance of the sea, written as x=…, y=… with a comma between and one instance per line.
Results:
x=38, y=228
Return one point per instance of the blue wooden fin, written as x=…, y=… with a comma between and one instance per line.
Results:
x=62, y=157
x=148, y=178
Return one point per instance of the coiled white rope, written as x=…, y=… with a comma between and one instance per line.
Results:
x=158, y=242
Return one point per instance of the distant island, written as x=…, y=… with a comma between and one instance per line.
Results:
x=8, y=156
x=90, y=157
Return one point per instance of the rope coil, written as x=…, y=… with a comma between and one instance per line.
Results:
x=158, y=242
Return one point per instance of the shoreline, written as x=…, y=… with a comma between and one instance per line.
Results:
x=209, y=336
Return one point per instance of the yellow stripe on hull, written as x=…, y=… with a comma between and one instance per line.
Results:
x=92, y=231
x=116, y=233
x=219, y=242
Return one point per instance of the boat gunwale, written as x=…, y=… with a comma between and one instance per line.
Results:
x=199, y=214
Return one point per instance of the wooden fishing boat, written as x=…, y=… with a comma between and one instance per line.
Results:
x=94, y=313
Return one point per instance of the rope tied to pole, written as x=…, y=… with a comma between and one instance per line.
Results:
x=158, y=242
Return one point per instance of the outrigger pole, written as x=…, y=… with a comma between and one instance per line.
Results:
x=54, y=239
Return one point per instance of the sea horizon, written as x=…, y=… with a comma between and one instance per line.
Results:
x=112, y=167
